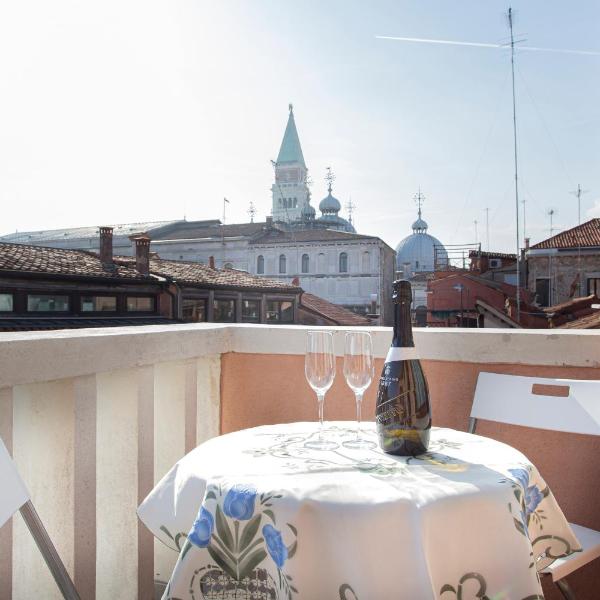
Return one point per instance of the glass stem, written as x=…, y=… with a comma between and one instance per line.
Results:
x=359, y=398
x=321, y=401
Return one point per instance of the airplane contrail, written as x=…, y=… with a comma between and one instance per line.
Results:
x=484, y=45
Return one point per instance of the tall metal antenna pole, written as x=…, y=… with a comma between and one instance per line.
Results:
x=476, y=231
x=487, y=229
x=578, y=193
x=514, y=99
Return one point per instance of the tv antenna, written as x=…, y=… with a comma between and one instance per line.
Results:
x=350, y=206
x=551, y=212
x=578, y=193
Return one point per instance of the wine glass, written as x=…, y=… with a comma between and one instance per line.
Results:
x=319, y=368
x=358, y=370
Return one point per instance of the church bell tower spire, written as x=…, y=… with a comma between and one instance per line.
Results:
x=290, y=190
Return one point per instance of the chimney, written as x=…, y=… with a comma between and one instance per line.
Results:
x=269, y=222
x=296, y=281
x=106, y=245
x=142, y=254
x=526, y=243
x=211, y=262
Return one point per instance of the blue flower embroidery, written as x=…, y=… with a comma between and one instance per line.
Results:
x=202, y=529
x=533, y=496
x=239, y=502
x=275, y=545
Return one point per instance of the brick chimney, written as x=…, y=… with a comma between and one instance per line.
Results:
x=142, y=254
x=296, y=281
x=526, y=243
x=106, y=245
x=211, y=262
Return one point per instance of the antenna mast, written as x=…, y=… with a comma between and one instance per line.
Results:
x=350, y=206
x=578, y=193
x=514, y=101
x=487, y=229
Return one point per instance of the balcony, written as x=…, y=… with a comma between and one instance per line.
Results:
x=94, y=418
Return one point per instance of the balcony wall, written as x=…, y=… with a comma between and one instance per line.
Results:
x=95, y=418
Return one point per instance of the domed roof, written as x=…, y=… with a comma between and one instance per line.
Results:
x=330, y=204
x=421, y=251
x=308, y=211
x=333, y=221
x=419, y=225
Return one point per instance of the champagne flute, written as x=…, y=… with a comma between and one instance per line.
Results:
x=319, y=368
x=358, y=370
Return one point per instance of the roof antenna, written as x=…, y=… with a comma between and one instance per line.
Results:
x=578, y=193
x=350, y=206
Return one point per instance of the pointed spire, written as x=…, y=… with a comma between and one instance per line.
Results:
x=290, y=151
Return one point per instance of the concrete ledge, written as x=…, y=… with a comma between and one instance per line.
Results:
x=31, y=357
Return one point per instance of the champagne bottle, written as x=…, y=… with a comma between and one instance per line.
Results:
x=402, y=412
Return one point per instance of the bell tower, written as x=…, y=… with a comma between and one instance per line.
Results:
x=290, y=190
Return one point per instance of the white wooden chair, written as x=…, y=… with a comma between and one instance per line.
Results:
x=554, y=404
x=15, y=497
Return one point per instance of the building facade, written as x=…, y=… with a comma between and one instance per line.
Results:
x=565, y=265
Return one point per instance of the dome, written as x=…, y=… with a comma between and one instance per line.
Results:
x=330, y=204
x=419, y=250
x=333, y=221
x=308, y=212
x=419, y=225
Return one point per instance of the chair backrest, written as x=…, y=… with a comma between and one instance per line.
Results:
x=570, y=405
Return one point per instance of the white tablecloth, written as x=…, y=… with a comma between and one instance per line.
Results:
x=255, y=514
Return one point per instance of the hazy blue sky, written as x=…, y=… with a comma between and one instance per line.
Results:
x=120, y=111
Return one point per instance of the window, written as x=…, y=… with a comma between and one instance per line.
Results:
x=305, y=263
x=593, y=286
x=224, y=310
x=6, y=302
x=140, y=303
x=421, y=316
x=194, y=310
x=47, y=303
x=279, y=311
x=282, y=263
x=260, y=264
x=98, y=303
x=542, y=291
x=366, y=262
x=343, y=262
x=251, y=311
x=321, y=263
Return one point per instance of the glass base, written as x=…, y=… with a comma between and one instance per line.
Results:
x=359, y=444
x=321, y=444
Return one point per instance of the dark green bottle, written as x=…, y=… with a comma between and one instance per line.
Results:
x=402, y=412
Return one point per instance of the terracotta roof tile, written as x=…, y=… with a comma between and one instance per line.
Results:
x=195, y=273
x=58, y=261
x=586, y=235
x=334, y=312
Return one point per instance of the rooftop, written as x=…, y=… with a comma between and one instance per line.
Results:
x=275, y=235
x=338, y=314
x=57, y=261
x=586, y=235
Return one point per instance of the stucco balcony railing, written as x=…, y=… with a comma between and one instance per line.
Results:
x=94, y=418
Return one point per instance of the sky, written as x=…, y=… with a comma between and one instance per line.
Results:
x=123, y=111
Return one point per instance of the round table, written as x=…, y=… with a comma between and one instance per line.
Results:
x=257, y=514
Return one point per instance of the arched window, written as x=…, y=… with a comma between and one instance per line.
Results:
x=228, y=265
x=305, y=263
x=366, y=262
x=343, y=262
x=282, y=263
x=321, y=262
x=260, y=264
